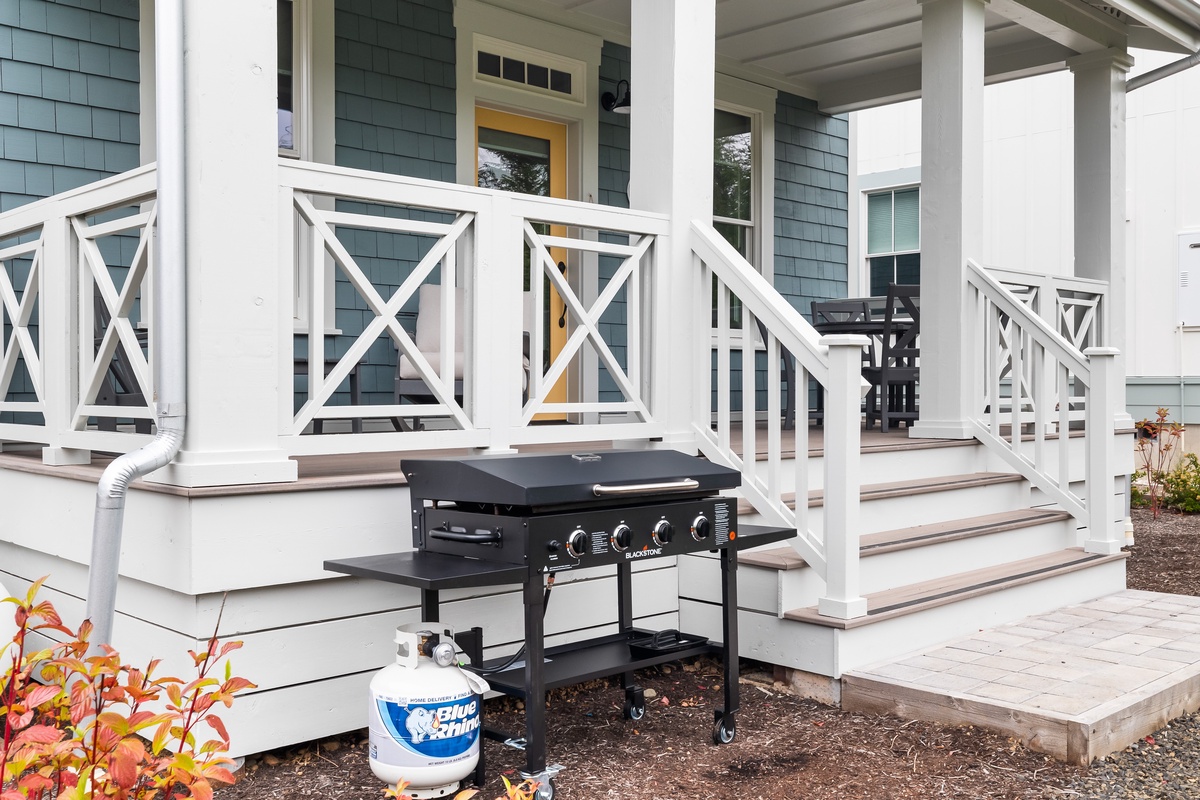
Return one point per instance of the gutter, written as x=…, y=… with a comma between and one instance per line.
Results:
x=1187, y=62
x=169, y=324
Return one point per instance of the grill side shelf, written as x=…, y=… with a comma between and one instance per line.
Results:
x=433, y=571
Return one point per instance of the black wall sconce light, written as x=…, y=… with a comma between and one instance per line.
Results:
x=617, y=103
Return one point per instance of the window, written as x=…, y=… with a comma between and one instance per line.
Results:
x=733, y=189
x=733, y=181
x=893, y=238
x=293, y=62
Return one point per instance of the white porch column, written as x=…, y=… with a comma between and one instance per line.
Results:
x=951, y=206
x=1100, y=193
x=233, y=281
x=671, y=125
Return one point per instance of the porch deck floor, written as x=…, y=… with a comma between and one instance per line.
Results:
x=1078, y=682
x=383, y=468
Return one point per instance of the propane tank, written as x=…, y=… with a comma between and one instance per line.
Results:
x=425, y=714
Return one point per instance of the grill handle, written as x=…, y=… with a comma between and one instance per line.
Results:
x=479, y=537
x=684, y=485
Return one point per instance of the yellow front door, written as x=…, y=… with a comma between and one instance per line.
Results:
x=529, y=155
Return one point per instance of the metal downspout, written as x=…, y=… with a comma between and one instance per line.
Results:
x=169, y=325
x=1187, y=62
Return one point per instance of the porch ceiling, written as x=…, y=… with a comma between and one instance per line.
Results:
x=850, y=54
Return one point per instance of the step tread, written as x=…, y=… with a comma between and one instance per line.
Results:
x=786, y=558
x=879, y=491
x=903, y=600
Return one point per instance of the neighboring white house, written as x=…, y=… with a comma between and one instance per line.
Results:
x=1028, y=209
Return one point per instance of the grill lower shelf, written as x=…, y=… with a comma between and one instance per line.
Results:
x=593, y=658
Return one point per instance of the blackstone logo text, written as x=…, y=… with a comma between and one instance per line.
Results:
x=657, y=551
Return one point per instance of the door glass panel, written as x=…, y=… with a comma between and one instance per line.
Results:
x=514, y=162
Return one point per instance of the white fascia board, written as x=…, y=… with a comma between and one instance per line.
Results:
x=1177, y=21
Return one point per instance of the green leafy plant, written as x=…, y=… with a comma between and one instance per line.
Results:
x=78, y=727
x=1138, y=497
x=525, y=790
x=1155, y=444
x=1181, y=486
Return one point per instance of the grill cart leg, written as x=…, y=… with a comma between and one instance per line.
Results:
x=625, y=622
x=724, y=726
x=535, y=679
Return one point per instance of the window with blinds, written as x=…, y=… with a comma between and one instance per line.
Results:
x=893, y=238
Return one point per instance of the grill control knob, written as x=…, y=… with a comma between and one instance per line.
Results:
x=664, y=531
x=577, y=543
x=701, y=528
x=622, y=537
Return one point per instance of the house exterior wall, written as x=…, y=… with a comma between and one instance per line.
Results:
x=1029, y=216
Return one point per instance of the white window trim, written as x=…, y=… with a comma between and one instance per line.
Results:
x=758, y=103
x=476, y=22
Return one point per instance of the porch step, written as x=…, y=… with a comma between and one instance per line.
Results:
x=907, y=488
x=785, y=558
x=917, y=597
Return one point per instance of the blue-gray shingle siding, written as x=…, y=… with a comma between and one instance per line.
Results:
x=68, y=79
x=613, y=183
x=68, y=112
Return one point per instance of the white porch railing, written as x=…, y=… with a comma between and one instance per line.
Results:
x=1012, y=340
x=62, y=260
x=482, y=241
x=834, y=362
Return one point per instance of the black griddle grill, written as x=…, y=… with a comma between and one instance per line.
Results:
x=496, y=519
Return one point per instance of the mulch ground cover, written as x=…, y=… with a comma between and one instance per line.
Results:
x=786, y=748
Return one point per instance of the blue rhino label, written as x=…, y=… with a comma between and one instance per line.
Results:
x=436, y=731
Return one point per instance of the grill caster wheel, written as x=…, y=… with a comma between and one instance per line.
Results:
x=635, y=703
x=724, y=730
x=545, y=791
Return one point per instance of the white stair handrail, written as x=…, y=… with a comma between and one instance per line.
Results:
x=835, y=362
x=1011, y=335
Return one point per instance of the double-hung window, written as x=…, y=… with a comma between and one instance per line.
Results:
x=893, y=238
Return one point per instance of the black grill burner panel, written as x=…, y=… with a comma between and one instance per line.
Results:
x=558, y=512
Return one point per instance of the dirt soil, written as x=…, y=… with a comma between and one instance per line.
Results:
x=785, y=747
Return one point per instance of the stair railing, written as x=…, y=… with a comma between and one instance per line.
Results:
x=752, y=324
x=1030, y=377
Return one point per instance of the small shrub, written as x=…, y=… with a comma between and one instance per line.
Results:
x=1155, y=446
x=1181, y=486
x=92, y=727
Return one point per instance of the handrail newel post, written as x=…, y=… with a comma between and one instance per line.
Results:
x=58, y=296
x=1103, y=530
x=842, y=456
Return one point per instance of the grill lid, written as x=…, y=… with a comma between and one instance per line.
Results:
x=556, y=479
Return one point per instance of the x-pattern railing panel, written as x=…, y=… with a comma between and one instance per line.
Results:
x=18, y=312
x=585, y=324
x=322, y=385
x=95, y=360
